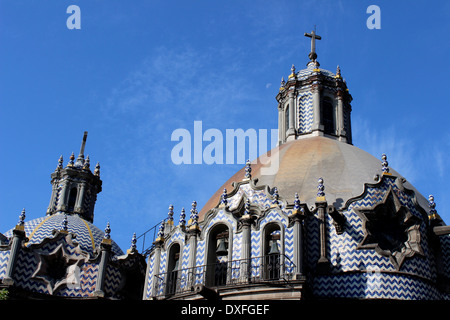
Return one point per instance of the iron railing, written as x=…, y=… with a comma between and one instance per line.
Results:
x=264, y=269
x=147, y=239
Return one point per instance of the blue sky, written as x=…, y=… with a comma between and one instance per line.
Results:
x=136, y=71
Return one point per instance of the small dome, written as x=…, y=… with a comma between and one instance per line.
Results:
x=310, y=68
x=344, y=168
x=88, y=236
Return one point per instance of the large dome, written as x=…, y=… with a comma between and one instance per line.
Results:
x=88, y=236
x=344, y=168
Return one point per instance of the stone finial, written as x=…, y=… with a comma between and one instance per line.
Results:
x=282, y=84
x=170, y=215
x=161, y=231
x=246, y=215
x=223, y=198
x=194, y=215
x=275, y=197
x=316, y=66
x=133, y=243
x=292, y=75
x=65, y=223
x=338, y=72
x=248, y=170
x=183, y=217
x=320, y=190
x=433, y=213
x=71, y=160
x=97, y=170
x=296, y=202
x=60, y=163
x=107, y=235
x=22, y=218
x=384, y=164
x=87, y=163
x=247, y=207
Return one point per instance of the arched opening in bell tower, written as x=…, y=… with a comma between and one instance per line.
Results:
x=272, y=249
x=72, y=199
x=328, y=120
x=173, y=266
x=218, y=255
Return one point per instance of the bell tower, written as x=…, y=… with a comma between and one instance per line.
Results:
x=314, y=102
x=75, y=187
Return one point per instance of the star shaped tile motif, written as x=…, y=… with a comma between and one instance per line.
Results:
x=55, y=267
x=391, y=229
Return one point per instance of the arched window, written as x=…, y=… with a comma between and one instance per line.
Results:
x=328, y=116
x=286, y=118
x=72, y=199
x=173, y=266
x=219, y=251
x=272, y=252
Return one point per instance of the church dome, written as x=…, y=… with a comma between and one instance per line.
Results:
x=343, y=167
x=87, y=235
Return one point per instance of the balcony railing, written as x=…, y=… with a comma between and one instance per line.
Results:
x=264, y=269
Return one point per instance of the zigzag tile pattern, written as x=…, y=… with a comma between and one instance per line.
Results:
x=27, y=265
x=4, y=258
x=256, y=197
x=221, y=216
x=185, y=257
x=88, y=278
x=163, y=262
x=421, y=266
x=312, y=241
x=345, y=257
x=29, y=226
x=200, y=254
x=177, y=235
x=237, y=246
x=445, y=247
x=255, y=251
x=113, y=279
x=289, y=243
x=151, y=263
x=41, y=228
x=305, y=111
x=305, y=73
x=374, y=286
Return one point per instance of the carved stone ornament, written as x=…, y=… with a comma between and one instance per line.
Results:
x=55, y=268
x=391, y=229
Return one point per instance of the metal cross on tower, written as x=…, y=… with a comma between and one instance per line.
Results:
x=312, y=55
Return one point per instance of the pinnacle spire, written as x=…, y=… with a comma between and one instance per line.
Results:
x=80, y=159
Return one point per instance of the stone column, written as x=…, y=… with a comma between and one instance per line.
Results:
x=280, y=125
x=192, y=240
x=18, y=238
x=62, y=203
x=298, y=216
x=291, y=129
x=80, y=198
x=156, y=265
x=321, y=205
x=52, y=198
x=340, y=116
x=316, y=107
x=105, y=254
x=246, y=247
